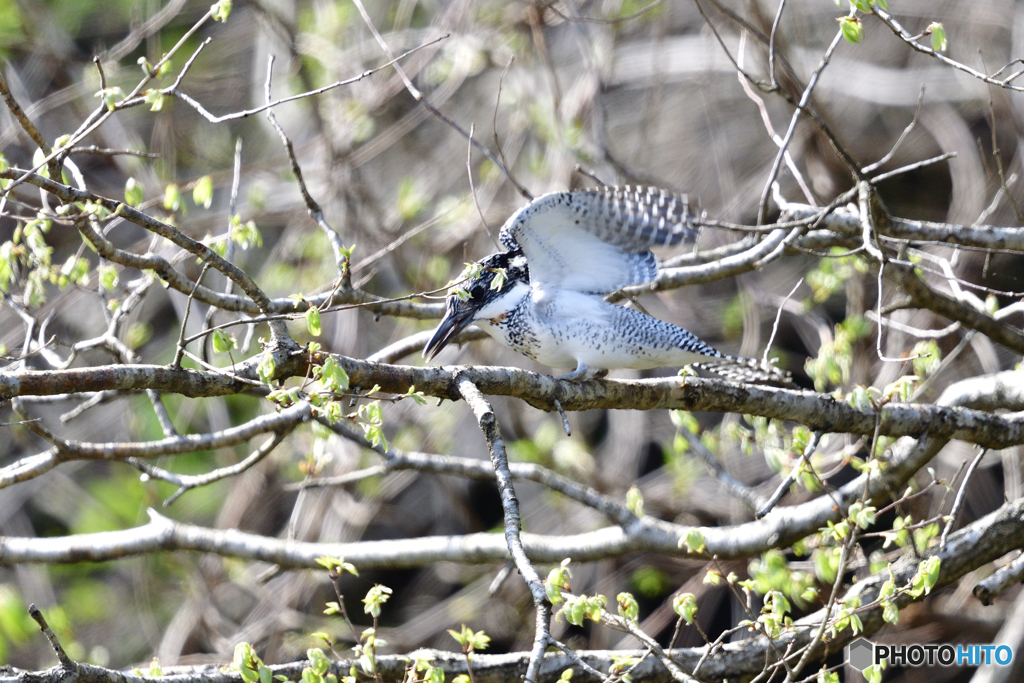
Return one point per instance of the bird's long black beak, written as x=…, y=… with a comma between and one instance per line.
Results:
x=456, y=319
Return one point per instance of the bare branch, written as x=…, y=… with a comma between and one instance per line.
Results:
x=65, y=451
x=817, y=411
x=973, y=546
x=910, y=40
x=732, y=485
x=513, y=524
x=66, y=662
x=1004, y=577
x=186, y=482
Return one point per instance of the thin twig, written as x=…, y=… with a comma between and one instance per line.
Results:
x=780, y=491
x=778, y=317
x=565, y=418
x=494, y=129
x=173, y=91
x=102, y=113
x=312, y=207
x=66, y=662
x=22, y=118
x=499, y=460
x=800, y=107
x=906, y=131
x=472, y=187
x=615, y=20
x=186, y=482
x=844, y=558
x=958, y=501
x=733, y=486
x=106, y=151
x=910, y=40
x=912, y=167
x=419, y=97
x=176, y=363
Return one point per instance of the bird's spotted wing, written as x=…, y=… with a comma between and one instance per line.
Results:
x=597, y=240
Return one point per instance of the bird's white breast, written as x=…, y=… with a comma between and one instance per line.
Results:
x=563, y=328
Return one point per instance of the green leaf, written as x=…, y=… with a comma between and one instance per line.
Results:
x=222, y=342
x=498, y=281
x=202, y=193
x=318, y=662
x=108, y=277
x=924, y=535
x=155, y=99
x=220, y=10
x=138, y=334
x=826, y=564
x=828, y=677
x=133, y=193
x=267, y=368
x=313, y=321
x=558, y=581
x=375, y=599
x=246, y=662
x=110, y=96
x=410, y=200
x=471, y=640
x=694, y=541
x=245, y=234
x=685, y=605
x=852, y=29
x=863, y=516
x=930, y=569
x=938, y=33
x=927, y=357
x=172, y=197
x=890, y=612
x=683, y=419
x=336, y=566
x=577, y=613
x=333, y=376
x=635, y=501
x=629, y=608
x=860, y=398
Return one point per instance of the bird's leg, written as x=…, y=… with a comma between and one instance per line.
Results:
x=579, y=373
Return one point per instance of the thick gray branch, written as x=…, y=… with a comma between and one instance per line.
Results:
x=973, y=546
x=820, y=412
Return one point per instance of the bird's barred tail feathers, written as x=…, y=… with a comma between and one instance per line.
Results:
x=747, y=370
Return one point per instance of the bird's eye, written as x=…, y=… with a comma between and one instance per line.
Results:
x=479, y=287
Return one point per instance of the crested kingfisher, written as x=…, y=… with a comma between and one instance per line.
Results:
x=544, y=295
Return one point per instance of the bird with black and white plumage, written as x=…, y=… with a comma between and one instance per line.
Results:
x=544, y=295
